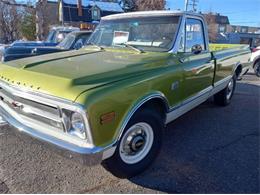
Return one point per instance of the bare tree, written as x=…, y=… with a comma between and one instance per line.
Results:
x=10, y=18
x=41, y=11
x=212, y=26
x=143, y=5
x=146, y=5
x=47, y=15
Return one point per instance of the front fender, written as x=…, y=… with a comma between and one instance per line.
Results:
x=123, y=101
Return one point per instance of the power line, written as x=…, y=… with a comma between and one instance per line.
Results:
x=246, y=22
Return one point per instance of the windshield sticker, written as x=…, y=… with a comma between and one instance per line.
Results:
x=120, y=37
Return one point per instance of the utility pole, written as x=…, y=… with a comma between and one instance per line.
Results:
x=186, y=5
x=192, y=3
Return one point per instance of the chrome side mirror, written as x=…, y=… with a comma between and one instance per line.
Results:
x=196, y=49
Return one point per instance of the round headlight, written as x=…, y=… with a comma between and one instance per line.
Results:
x=78, y=127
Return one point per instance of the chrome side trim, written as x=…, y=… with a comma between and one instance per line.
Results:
x=188, y=105
x=196, y=100
x=220, y=85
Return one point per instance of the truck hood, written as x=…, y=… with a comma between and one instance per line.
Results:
x=67, y=74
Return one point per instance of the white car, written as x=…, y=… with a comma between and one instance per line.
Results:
x=255, y=59
x=2, y=47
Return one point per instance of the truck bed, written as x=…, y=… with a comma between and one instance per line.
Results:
x=216, y=46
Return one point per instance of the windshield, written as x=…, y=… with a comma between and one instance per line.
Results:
x=147, y=33
x=67, y=42
x=55, y=36
x=51, y=36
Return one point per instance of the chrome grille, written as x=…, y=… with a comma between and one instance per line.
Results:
x=33, y=110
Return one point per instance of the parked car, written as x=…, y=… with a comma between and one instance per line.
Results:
x=255, y=59
x=75, y=40
x=110, y=101
x=55, y=36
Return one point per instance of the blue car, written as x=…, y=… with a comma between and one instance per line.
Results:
x=55, y=36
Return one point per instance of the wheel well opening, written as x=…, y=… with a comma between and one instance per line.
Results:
x=238, y=70
x=158, y=105
x=257, y=61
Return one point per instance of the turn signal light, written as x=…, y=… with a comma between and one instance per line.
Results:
x=107, y=118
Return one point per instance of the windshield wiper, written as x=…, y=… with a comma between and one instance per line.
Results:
x=99, y=47
x=132, y=47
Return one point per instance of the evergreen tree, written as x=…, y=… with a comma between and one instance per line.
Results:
x=28, y=26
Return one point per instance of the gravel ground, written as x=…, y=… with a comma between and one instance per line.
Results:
x=208, y=150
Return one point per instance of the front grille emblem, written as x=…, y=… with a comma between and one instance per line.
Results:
x=17, y=105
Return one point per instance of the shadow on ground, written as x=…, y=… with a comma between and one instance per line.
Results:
x=211, y=149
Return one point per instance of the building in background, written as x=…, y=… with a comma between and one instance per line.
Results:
x=221, y=31
x=78, y=13
x=244, y=29
x=86, y=14
x=12, y=17
x=220, y=23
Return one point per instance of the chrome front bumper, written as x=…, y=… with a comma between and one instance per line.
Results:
x=87, y=156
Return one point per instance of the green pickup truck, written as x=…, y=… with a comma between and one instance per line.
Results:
x=110, y=101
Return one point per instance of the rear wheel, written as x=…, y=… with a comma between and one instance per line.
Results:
x=223, y=98
x=257, y=68
x=138, y=146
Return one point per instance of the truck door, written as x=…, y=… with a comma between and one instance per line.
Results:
x=196, y=59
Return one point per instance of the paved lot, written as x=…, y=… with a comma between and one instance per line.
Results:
x=208, y=150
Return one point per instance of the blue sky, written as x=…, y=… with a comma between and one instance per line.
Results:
x=240, y=12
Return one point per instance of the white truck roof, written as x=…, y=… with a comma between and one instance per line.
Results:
x=150, y=13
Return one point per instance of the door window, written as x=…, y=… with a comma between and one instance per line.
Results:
x=194, y=34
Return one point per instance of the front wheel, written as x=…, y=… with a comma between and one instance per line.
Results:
x=223, y=98
x=138, y=146
x=257, y=69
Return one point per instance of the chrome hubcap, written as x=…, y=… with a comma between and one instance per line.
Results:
x=136, y=143
x=230, y=88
